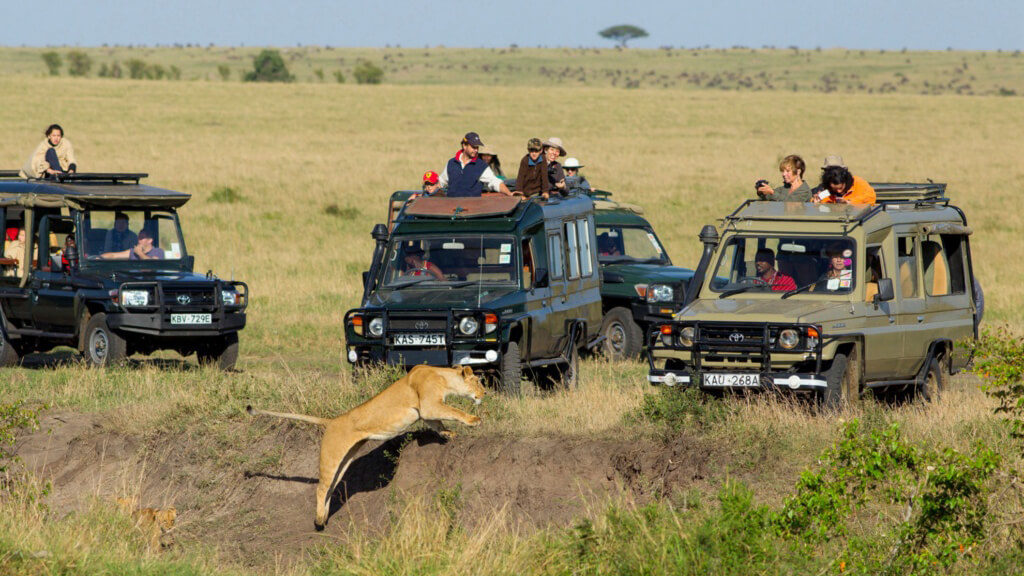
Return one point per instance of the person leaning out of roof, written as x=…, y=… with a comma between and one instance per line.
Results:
x=839, y=186
x=574, y=181
x=490, y=156
x=553, y=150
x=793, y=188
x=467, y=174
x=54, y=156
x=532, y=178
x=431, y=183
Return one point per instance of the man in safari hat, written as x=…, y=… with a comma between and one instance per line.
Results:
x=574, y=181
x=553, y=150
x=467, y=174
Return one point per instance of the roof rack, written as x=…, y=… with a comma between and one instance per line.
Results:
x=113, y=177
x=893, y=192
x=10, y=174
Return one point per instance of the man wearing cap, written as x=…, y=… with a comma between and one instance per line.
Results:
x=467, y=174
x=839, y=186
x=532, y=178
x=431, y=183
x=553, y=150
x=574, y=181
x=764, y=260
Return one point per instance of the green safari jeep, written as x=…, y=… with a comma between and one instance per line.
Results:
x=499, y=283
x=829, y=299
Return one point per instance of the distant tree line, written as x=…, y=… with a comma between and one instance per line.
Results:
x=80, y=64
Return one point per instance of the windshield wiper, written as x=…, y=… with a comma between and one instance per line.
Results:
x=799, y=290
x=736, y=291
x=406, y=283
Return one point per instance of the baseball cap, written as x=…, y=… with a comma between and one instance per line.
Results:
x=473, y=139
x=430, y=177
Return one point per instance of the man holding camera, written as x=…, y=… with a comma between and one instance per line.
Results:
x=793, y=189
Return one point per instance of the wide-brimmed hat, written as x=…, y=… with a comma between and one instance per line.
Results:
x=572, y=162
x=487, y=150
x=831, y=161
x=555, y=143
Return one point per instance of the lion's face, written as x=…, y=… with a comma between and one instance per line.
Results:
x=474, y=388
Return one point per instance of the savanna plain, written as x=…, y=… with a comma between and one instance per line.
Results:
x=613, y=478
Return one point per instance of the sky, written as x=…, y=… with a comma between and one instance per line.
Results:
x=855, y=24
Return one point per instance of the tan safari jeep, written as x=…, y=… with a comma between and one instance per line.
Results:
x=827, y=299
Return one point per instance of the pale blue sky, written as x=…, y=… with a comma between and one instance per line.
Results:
x=862, y=24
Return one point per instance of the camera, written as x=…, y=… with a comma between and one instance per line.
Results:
x=760, y=183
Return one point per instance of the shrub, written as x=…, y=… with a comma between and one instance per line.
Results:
x=677, y=407
x=53, y=62
x=339, y=77
x=137, y=69
x=319, y=73
x=14, y=417
x=226, y=195
x=367, y=73
x=346, y=213
x=225, y=72
x=999, y=360
x=268, y=66
x=79, y=63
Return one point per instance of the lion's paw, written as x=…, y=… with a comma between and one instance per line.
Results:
x=448, y=434
x=473, y=420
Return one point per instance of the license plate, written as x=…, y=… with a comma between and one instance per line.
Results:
x=738, y=380
x=418, y=340
x=190, y=318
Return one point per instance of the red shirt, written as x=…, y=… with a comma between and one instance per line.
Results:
x=779, y=282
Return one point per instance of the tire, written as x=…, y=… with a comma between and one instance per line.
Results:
x=935, y=381
x=103, y=347
x=979, y=301
x=623, y=338
x=9, y=355
x=842, y=381
x=510, y=375
x=223, y=353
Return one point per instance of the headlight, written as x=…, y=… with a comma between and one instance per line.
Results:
x=230, y=297
x=659, y=293
x=686, y=336
x=469, y=325
x=135, y=298
x=376, y=327
x=789, y=338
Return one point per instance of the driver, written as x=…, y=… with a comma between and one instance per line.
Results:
x=416, y=265
x=143, y=250
x=606, y=245
x=764, y=260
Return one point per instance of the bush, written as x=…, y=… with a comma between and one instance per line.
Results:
x=225, y=72
x=268, y=66
x=367, y=73
x=53, y=62
x=677, y=407
x=339, y=77
x=79, y=63
x=346, y=213
x=14, y=417
x=226, y=195
x=137, y=69
x=999, y=360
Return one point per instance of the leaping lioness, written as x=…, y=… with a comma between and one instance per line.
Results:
x=419, y=395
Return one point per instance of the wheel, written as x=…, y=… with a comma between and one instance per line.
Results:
x=842, y=380
x=103, y=347
x=8, y=353
x=510, y=377
x=622, y=337
x=935, y=381
x=223, y=352
x=979, y=300
x=569, y=372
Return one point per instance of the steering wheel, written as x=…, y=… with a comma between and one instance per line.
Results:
x=421, y=271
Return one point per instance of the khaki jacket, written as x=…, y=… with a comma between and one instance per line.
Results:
x=36, y=165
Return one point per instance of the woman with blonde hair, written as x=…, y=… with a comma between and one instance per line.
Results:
x=793, y=188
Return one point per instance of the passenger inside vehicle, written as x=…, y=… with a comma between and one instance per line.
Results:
x=14, y=251
x=417, y=265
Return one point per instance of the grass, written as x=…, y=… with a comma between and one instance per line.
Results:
x=287, y=181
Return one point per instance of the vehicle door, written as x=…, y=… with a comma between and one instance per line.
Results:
x=14, y=298
x=910, y=313
x=534, y=256
x=559, y=295
x=585, y=296
x=949, y=312
x=51, y=289
x=883, y=339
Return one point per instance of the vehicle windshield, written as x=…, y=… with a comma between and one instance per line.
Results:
x=150, y=234
x=785, y=264
x=450, y=261
x=616, y=243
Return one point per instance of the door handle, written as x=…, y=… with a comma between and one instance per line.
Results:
x=892, y=320
x=920, y=318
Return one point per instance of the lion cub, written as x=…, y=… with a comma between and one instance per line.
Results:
x=419, y=395
x=152, y=521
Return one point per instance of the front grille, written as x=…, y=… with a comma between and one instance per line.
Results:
x=189, y=297
x=732, y=335
x=418, y=322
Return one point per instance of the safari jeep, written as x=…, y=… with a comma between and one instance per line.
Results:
x=103, y=268
x=640, y=285
x=498, y=283
x=831, y=299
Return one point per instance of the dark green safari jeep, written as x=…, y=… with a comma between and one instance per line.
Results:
x=498, y=283
x=97, y=262
x=640, y=284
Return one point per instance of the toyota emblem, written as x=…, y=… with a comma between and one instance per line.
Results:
x=422, y=325
x=736, y=337
x=184, y=299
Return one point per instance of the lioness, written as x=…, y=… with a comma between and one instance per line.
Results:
x=155, y=522
x=418, y=395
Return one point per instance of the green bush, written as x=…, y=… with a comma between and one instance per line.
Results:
x=999, y=360
x=677, y=407
x=268, y=66
x=137, y=69
x=346, y=213
x=226, y=195
x=53, y=62
x=79, y=63
x=14, y=418
x=367, y=73
x=339, y=77
x=225, y=72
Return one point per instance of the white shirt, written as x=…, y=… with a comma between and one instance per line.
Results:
x=490, y=181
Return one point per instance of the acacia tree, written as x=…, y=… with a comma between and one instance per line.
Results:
x=53, y=62
x=268, y=66
x=623, y=33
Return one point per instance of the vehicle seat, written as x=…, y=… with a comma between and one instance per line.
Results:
x=803, y=268
x=95, y=239
x=936, y=273
x=870, y=289
x=908, y=280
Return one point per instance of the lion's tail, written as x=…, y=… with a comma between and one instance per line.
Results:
x=299, y=417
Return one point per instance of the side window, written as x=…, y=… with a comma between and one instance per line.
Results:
x=874, y=268
x=936, y=267
x=12, y=265
x=907, y=257
x=586, y=256
x=555, y=255
x=953, y=247
x=573, y=256
x=528, y=266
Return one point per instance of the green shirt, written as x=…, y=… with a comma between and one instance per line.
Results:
x=783, y=194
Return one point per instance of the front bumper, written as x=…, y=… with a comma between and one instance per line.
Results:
x=170, y=299
x=766, y=380
x=482, y=350
x=159, y=324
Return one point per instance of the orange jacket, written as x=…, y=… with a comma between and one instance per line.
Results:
x=860, y=193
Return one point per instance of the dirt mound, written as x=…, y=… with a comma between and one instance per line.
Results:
x=256, y=518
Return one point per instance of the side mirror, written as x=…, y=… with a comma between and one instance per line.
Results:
x=540, y=278
x=885, y=291
x=613, y=278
